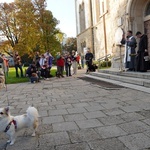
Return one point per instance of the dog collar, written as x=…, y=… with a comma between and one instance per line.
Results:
x=8, y=126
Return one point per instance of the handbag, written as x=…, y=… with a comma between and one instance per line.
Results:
x=146, y=56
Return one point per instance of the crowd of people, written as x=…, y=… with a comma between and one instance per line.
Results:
x=40, y=68
x=136, y=60
x=42, y=64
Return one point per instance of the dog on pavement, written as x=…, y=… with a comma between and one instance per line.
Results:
x=10, y=124
x=2, y=79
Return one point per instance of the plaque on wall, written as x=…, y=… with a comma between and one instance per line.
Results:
x=118, y=36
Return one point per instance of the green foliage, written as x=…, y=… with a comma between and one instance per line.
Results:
x=71, y=44
x=103, y=63
x=29, y=27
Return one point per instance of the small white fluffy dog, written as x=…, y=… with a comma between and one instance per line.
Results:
x=2, y=79
x=10, y=124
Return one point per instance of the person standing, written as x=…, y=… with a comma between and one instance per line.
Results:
x=89, y=59
x=142, y=61
x=60, y=64
x=68, y=64
x=18, y=64
x=49, y=59
x=36, y=59
x=74, y=62
x=82, y=60
x=130, y=53
x=5, y=64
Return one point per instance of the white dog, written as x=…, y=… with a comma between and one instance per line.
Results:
x=2, y=79
x=10, y=124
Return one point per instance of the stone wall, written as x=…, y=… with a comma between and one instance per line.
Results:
x=123, y=14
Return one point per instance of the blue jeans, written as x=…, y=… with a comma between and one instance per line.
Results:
x=21, y=71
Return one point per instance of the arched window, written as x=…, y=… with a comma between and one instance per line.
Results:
x=82, y=17
x=147, y=11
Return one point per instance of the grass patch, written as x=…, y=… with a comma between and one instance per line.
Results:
x=12, y=79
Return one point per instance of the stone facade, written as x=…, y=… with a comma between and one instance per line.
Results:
x=101, y=23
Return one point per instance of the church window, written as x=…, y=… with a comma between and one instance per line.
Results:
x=147, y=12
x=97, y=10
x=82, y=17
x=103, y=6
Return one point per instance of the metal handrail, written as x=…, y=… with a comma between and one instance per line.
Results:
x=103, y=58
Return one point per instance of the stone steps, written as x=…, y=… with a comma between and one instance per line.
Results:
x=133, y=79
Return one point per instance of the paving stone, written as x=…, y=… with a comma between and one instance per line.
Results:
x=56, y=103
x=81, y=105
x=110, y=105
x=145, y=113
x=94, y=108
x=44, y=129
x=52, y=119
x=78, y=146
x=76, y=110
x=45, y=108
x=85, y=100
x=64, y=126
x=90, y=123
x=74, y=117
x=24, y=143
x=94, y=114
x=110, y=131
x=71, y=116
x=43, y=147
x=131, y=108
x=57, y=112
x=147, y=133
x=64, y=106
x=131, y=116
x=71, y=101
x=107, y=144
x=136, y=141
x=114, y=111
x=134, y=127
x=54, y=139
x=83, y=135
x=111, y=120
x=43, y=113
x=147, y=121
x=144, y=105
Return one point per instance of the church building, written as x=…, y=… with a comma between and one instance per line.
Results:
x=101, y=23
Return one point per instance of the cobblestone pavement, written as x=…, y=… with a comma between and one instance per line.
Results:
x=78, y=115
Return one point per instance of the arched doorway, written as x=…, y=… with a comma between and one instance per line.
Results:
x=147, y=23
x=139, y=17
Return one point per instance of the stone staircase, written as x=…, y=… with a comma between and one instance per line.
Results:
x=135, y=80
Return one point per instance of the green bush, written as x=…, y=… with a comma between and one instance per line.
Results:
x=105, y=64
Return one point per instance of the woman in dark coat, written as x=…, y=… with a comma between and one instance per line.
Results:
x=142, y=61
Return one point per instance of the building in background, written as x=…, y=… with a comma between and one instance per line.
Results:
x=101, y=24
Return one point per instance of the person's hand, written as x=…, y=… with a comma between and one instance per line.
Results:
x=146, y=50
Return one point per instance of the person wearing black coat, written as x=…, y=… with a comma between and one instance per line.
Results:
x=88, y=58
x=142, y=59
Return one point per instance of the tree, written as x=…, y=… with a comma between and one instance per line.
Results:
x=29, y=27
x=71, y=44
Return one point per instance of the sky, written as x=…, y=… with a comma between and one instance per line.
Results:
x=64, y=11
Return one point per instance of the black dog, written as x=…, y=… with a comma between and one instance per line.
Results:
x=92, y=68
